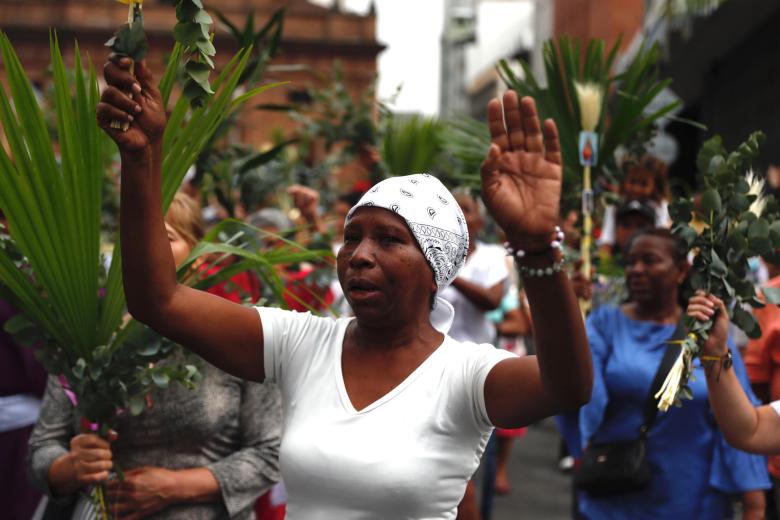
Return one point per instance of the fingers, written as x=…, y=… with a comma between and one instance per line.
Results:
x=703, y=306
x=107, y=114
x=496, y=125
x=117, y=74
x=89, y=440
x=514, y=121
x=115, y=97
x=530, y=123
x=92, y=478
x=552, y=145
x=95, y=455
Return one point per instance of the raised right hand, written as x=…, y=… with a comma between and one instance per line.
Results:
x=90, y=456
x=131, y=99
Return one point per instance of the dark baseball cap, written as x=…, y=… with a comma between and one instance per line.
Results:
x=636, y=206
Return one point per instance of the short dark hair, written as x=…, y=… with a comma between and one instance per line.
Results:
x=679, y=249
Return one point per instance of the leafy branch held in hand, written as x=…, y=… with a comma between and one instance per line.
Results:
x=738, y=223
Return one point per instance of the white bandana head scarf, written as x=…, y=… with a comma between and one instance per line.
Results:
x=437, y=223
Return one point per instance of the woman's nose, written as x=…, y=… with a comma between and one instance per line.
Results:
x=362, y=254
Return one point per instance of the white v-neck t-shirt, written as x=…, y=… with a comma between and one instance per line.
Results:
x=407, y=455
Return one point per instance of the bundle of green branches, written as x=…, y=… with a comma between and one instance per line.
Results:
x=740, y=222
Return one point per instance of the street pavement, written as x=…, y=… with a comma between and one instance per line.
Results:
x=539, y=489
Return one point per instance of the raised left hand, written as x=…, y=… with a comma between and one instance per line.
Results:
x=521, y=177
x=144, y=491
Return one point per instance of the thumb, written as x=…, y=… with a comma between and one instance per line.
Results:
x=489, y=170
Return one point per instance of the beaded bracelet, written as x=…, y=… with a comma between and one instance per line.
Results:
x=557, y=243
x=538, y=272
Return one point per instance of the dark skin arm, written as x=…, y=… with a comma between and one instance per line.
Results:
x=226, y=334
x=521, y=187
x=483, y=298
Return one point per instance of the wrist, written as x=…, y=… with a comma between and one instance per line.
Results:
x=531, y=244
x=543, y=258
x=716, y=349
x=137, y=158
x=62, y=475
x=172, y=491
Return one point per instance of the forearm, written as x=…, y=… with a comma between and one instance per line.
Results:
x=148, y=269
x=194, y=485
x=753, y=505
x=735, y=414
x=484, y=298
x=559, y=335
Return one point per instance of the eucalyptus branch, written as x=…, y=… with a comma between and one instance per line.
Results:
x=192, y=32
x=732, y=235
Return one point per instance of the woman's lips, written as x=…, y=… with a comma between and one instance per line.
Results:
x=638, y=285
x=360, y=290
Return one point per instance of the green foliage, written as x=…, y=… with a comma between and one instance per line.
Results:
x=224, y=169
x=411, y=144
x=623, y=119
x=51, y=268
x=731, y=236
x=342, y=127
x=130, y=38
x=465, y=142
x=265, y=41
x=192, y=32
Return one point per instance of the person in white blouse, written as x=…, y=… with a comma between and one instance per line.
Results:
x=385, y=416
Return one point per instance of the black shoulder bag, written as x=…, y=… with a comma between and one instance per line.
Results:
x=621, y=467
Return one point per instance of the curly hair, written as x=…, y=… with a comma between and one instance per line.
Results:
x=656, y=168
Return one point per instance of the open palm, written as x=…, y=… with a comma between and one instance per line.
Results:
x=521, y=176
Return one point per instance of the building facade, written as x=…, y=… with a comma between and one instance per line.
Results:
x=313, y=37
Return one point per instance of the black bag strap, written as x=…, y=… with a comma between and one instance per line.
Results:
x=671, y=354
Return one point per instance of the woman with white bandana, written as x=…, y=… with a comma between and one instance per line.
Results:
x=402, y=412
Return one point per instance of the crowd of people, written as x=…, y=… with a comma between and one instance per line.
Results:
x=425, y=350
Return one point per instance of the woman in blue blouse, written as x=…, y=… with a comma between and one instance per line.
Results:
x=695, y=473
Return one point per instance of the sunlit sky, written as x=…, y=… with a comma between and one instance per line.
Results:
x=411, y=30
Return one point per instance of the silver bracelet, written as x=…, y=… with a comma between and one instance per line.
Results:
x=557, y=243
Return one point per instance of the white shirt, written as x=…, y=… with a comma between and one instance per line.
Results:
x=609, y=224
x=486, y=266
x=407, y=455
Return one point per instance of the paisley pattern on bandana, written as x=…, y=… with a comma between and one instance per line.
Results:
x=433, y=216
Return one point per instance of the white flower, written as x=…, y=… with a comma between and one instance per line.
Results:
x=757, y=189
x=589, y=97
x=671, y=385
